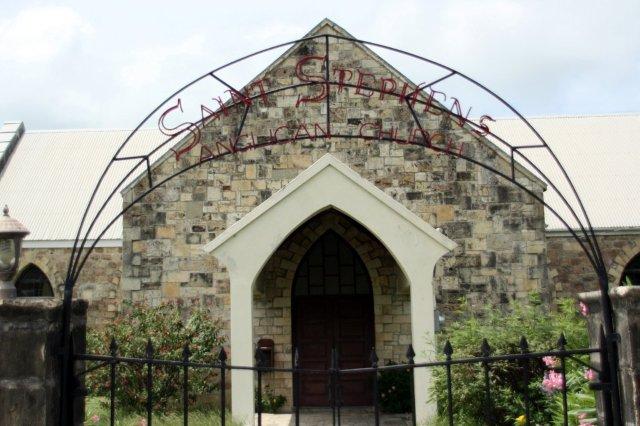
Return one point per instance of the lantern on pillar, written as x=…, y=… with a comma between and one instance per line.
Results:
x=12, y=233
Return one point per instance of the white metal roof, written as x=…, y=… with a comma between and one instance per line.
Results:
x=601, y=154
x=50, y=175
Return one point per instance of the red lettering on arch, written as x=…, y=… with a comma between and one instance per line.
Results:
x=342, y=72
x=325, y=134
x=484, y=128
x=384, y=89
x=274, y=135
x=263, y=95
x=301, y=127
x=310, y=78
x=186, y=126
x=362, y=84
x=238, y=98
x=456, y=109
x=431, y=99
x=209, y=154
x=362, y=127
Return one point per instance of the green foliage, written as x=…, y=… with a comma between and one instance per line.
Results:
x=271, y=403
x=97, y=413
x=394, y=390
x=503, y=331
x=581, y=402
x=169, y=326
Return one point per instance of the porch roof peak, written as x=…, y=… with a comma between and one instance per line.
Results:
x=304, y=178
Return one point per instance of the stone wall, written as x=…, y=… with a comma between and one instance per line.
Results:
x=570, y=270
x=30, y=332
x=98, y=284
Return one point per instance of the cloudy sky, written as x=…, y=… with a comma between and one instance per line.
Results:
x=89, y=64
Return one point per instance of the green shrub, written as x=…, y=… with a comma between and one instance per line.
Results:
x=394, y=390
x=169, y=326
x=271, y=403
x=503, y=331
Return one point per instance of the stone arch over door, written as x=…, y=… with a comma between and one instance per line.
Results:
x=274, y=311
x=246, y=246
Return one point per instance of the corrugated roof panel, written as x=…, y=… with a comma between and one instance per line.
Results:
x=599, y=153
x=51, y=176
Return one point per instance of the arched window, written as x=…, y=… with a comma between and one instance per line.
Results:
x=631, y=273
x=331, y=267
x=32, y=282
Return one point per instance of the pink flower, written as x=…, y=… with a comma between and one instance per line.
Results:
x=142, y=422
x=584, y=310
x=552, y=381
x=95, y=418
x=590, y=375
x=550, y=361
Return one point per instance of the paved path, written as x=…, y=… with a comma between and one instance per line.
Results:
x=350, y=416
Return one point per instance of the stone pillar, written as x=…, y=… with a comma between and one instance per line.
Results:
x=626, y=307
x=30, y=335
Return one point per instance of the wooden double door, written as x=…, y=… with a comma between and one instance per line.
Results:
x=322, y=323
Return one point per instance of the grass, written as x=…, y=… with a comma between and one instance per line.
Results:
x=97, y=413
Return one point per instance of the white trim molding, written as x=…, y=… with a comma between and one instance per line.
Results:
x=45, y=244
x=246, y=246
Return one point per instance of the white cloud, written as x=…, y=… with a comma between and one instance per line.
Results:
x=39, y=34
x=149, y=64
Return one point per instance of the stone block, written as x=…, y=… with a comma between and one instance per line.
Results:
x=29, y=360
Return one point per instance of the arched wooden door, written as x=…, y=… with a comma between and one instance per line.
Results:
x=332, y=307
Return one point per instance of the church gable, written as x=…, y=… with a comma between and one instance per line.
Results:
x=368, y=100
x=284, y=132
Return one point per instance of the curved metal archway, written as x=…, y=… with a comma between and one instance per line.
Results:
x=582, y=231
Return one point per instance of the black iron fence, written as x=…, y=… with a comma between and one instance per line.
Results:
x=522, y=361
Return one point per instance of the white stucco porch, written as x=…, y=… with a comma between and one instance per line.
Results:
x=245, y=247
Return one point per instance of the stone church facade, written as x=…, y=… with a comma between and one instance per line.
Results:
x=490, y=243
x=499, y=230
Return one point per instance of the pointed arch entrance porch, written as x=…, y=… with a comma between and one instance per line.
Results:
x=245, y=247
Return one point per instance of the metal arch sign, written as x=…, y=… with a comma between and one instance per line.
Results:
x=418, y=101
x=365, y=84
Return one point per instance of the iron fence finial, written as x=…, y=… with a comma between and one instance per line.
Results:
x=222, y=355
x=485, y=349
x=113, y=347
x=410, y=352
x=562, y=342
x=186, y=352
x=448, y=349
x=373, y=357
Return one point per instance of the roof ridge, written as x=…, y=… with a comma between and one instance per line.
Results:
x=89, y=130
x=562, y=116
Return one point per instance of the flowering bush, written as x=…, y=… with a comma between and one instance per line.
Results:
x=503, y=330
x=271, y=403
x=169, y=326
